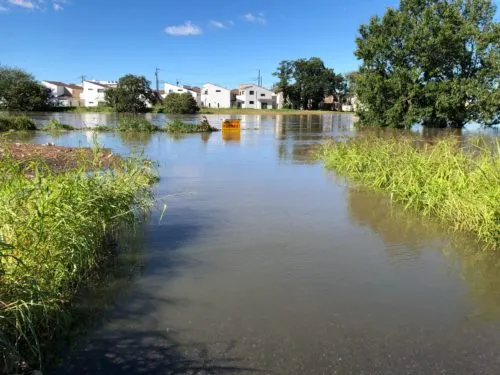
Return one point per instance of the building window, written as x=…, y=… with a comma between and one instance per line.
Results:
x=242, y=92
x=262, y=94
x=91, y=102
x=179, y=89
x=169, y=91
x=252, y=92
x=206, y=92
x=251, y=102
x=100, y=90
x=90, y=89
x=217, y=90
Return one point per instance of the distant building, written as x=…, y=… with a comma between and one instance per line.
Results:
x=332, y=103
x=256, y=97
x=65, y=94
x=350, y=104
x=94, y=92
x=213, y=96
x=194, y=91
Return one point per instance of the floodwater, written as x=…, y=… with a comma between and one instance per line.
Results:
x=266, y=263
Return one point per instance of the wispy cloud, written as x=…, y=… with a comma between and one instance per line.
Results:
x=187, y=29
x=40, y=5
x=24, y=3
x=218, y=25
x=231, y=22
x=255, y=18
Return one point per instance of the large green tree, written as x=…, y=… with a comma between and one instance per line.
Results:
x=434, y=62
x=132, y=94
x=19, y=91
x=306, y=82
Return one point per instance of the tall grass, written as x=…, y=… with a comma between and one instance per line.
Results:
x=458, y=182
x=16, y=123
x=54, y=126
x=53, y=234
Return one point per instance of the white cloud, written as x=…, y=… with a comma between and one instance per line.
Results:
x=23, y=3
x=57, y=7
x=184, y=30
x=255, y=18
x=3, y=9
x=218, y=25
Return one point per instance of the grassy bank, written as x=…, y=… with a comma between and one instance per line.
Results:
x=249, y=111
x=136, y=124
x=55, y=229
x=458, y=182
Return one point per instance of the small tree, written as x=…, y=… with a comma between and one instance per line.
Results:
x=19, y=91
x=431, y=61
x=180, y=103
x=132, y=94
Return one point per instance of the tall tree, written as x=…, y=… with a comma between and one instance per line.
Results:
x=19, y=91
x=306, y=82
x=430, y=61
x=180, y=103
x=131, y=94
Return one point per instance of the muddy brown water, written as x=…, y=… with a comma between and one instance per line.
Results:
x=265, y=263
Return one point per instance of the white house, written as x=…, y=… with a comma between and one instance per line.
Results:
x=94, y=92
x=65, y=94
x=194, y=91
x=257, y=97
x=213, y=96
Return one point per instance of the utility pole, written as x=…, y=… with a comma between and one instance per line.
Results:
x=259, y=80
x=157, y=80
x=83, y=78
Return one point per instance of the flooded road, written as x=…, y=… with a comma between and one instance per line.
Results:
x=266, y=263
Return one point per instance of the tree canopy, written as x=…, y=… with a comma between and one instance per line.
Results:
x=19, y=91
x=434, y=62
x=306, y=82
x=131, y=94
x=180, y=103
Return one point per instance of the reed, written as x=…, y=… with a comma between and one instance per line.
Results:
x=454, y=180
x=54, y=234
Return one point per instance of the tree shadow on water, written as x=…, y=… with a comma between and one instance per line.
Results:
x=137, y=352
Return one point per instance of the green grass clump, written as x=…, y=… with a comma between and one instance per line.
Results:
x=54, y=231
x=16, y=123
x=54, y=125
x=136, y=124
x=179, y=127
x=456, y=181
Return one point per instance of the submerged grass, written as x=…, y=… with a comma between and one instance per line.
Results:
x=54, y=126
x=54, y=231
x=453, y=180
x=16, y=123
x=179, y=127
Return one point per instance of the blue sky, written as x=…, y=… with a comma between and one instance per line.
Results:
x=227, y=41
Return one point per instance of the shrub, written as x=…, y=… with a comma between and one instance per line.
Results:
x=178, y=127
x=180, y=103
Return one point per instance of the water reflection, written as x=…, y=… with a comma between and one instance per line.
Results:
x=407, y=235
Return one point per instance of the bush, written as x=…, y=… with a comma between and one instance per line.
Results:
x=54, y=125
x=180, y=103
x=16, y=123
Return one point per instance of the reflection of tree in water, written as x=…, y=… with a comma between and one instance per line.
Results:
x=20, y=136
x=405, y=233
x=302, y=153
x=135, y=139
